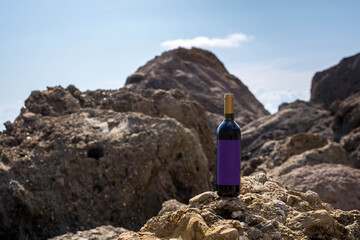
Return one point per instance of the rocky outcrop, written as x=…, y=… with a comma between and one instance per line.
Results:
x=330, y=153
x=333, y=85
x=176, y=104
x=298, y=117
x=263, y=210
x=204, y=77
x=335, y=183
x=68, y=168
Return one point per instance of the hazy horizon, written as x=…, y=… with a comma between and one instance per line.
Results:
x=274, y=48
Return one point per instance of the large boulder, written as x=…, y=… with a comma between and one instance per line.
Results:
x=204, y=77
x=63, y=170
x=336, y=184
x=263, y=210
x=333, y=85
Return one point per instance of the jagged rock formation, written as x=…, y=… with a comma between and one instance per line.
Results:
x=297, y=117
x=76, y=160
x=333, y=112
x=204, y=77
x=333, y=85
x=264, y=210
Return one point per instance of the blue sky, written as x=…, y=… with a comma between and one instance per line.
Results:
x=278, y=45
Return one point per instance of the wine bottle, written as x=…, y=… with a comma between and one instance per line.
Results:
x=228, y=152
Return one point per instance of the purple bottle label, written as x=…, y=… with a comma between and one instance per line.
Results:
x=228, y=162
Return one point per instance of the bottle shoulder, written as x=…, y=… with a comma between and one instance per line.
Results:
x=228, y=125
x=228, y=130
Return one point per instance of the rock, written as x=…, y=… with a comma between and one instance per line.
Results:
x=301, y=142
x=53, y=102
x=347, y=116
x=334, y=183
x=276, y=152
x=254, y=233
x=270, y=226
x=76, y=172
x=222, y=232
x=280, y=204
x=331, y=153
x=171, y=205
x=351, y=143
x=336, y=83
x=157, y=103
x=298, y=117
x=99, y=233
x=204, y=77
x=312, y=196
x=202, y=197
x=317, y=224
x=261, y=177
x=257, y=219
x=28, y=116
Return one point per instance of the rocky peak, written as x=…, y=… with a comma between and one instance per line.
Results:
x=204, y=77
x=333, y=85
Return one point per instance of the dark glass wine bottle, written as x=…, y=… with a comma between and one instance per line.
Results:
x=228, y=152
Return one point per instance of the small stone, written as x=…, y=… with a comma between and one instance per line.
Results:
x=112, y=122
x=280, y=212
x=230, y=233
x=312, y=197
x=261, y=177
x=217, y=218
x=280, y=204
x=28, y=116
x=289, y=200
x=221, y=203
x=236, y=214
x=202, y=197
x=207, y=216
x=243, y=238
x=270, y=226
x=254, y=233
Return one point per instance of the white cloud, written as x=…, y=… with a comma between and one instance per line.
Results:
x=273, y=83
x=231, y=41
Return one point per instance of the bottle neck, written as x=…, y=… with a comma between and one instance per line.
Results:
x=229, y=107
x=229, y=116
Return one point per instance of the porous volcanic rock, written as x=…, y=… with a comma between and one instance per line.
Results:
x=333, y=85
x=68, y=168
x=262, y=211
x=204, y=77
x=336, y=184
x=157, y=103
